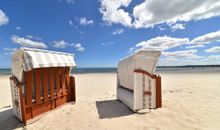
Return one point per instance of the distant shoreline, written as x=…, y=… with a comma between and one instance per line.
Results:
x=184, y=66
x=188, y=68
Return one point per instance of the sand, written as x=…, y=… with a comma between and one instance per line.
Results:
x=191, y=101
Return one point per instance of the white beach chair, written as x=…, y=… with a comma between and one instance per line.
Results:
x=40, y=81
x=138, y=87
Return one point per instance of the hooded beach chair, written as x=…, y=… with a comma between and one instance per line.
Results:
x=40, y=81
x=138, y=87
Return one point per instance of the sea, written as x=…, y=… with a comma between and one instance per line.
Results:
x=6, y=71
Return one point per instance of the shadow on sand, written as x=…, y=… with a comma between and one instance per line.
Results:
x=112, y=109
x=8, y=121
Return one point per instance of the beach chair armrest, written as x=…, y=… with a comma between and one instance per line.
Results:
x=73, y=88
x=146, y=73
x=72, y=81
x=15, y=80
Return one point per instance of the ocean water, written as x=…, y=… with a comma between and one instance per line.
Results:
x=114, y=70
x=5, y=71
x=75, y=71
x=94, y=70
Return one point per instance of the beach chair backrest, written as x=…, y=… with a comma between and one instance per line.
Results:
x=144, y=60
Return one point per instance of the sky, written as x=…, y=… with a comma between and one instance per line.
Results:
x=101, y=32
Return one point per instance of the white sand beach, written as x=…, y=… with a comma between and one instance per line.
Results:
x=191, y=101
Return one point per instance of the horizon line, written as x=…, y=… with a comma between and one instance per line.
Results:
x=217, y=65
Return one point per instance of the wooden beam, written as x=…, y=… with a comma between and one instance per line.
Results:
x=63, y=81
x=45, y=84
x=28, y=85
x=73, y=88
x=158, y=92
x=67, y=71
x=57, y=74
x=38, y=85
x=52, y=79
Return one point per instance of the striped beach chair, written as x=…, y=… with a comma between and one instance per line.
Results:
x=138, y=87
x=40, y=81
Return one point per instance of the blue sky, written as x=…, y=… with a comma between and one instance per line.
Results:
x=102, y=32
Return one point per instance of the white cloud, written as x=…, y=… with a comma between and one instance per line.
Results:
x=154, y=12
x=177, y=26
x=161, y=28
x=9, y=51
x=64, y=44
x=207, y=38
x=60, y=44
x=70, y=22
x=81, y=32
x=27, y=42
x=213, y=49
x=214, y=57
x=172, y=59
x=185, y=57
x=84, y=21
x=118, y=31
x=189, y=54
x=131, y=50
x=70, y=1
x=3, y=18
x=162, y=43
x=18, y=28
x=79, y=47
x=151, y=12
x=112, y=12
x=194, y=46
x=108, y=43
x=180, y=62
x=33, y=37
x=29, y=36
x=165, y=42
